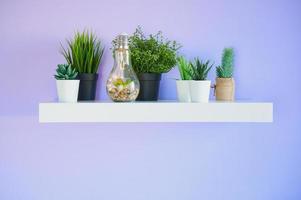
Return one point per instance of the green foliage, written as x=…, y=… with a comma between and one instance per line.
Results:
x=227, y=66
x=152, y=54
x=184, y=67
x=119, y=82
x=84, y=52
x=199, y=69
x=65, y=72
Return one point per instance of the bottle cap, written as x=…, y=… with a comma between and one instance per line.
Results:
x=122, y=41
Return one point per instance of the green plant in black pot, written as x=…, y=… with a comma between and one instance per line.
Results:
x=84, y=53
x=151, y=56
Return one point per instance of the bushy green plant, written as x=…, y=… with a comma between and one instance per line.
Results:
x=227, y=66
x=153, y=53
x=184, y=67
x=65, y=72
x=84, y=52
x=199, y=69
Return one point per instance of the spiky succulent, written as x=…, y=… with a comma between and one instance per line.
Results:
x=184, y=67
x=199, y=69
x=227, y=67
x=65, y=72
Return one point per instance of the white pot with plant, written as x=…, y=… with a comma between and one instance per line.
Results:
x=225, y=85
x=183, y=89
x=200, y=86
x=66, y=83
x=84, y=53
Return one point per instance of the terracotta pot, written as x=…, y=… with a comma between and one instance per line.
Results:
x=225, y=89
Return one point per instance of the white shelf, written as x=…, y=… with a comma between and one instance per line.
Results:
x=156, y=112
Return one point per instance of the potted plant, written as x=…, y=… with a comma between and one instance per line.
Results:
x=199, y=86
x=225, y=85
x=183, y=90
x=151, y=56
x=66, y=83
x=84, y=53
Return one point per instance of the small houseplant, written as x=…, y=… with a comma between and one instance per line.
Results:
x=200, y=86
x=225, y=85
x=184, y=66
x=151, y=56
x=84, y=53
x=66, y=83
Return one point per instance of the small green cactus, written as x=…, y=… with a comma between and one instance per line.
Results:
x=226, y=69
x=65, y=72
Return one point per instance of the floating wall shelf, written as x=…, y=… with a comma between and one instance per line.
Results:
x=156, y=112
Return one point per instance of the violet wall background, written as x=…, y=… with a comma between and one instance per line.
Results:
x=149, y=161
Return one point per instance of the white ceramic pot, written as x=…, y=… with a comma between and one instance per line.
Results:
x=200, y=91
x=183, y=90
x=67, y=90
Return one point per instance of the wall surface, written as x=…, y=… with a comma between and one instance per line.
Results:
x=150, y=161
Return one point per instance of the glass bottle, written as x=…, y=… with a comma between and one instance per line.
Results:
x=122, y=84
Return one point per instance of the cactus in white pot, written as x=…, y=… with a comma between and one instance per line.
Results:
x=66, y=83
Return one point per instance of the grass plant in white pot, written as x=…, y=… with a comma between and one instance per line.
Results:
x=200, y=86
x=66, y=83
x=183, y=89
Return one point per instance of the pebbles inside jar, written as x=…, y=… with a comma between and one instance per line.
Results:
x=122, y=90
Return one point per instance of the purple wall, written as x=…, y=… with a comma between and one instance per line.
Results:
x=149, y=161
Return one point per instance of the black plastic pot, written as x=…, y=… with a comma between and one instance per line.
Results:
x=149, y=86
x=87, y=86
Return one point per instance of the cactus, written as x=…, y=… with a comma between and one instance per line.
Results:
x=226, y=68
x=65, y=72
